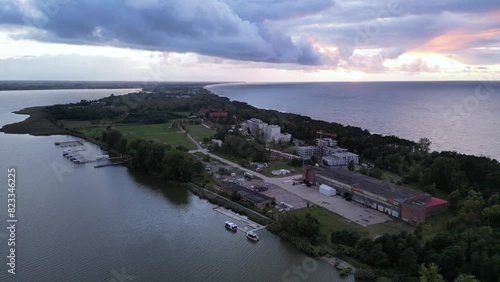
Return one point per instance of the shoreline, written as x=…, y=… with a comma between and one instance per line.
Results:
x=37, y=123
x=38, y=117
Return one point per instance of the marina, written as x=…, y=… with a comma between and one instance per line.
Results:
x=75, y=155
x=249, y=227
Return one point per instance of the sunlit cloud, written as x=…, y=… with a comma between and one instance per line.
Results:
x=456, y=40
x=266, y=40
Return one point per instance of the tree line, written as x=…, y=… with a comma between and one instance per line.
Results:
x=154, y=157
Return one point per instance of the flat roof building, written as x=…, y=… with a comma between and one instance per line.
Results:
x=306, y=152
x=254, y=197
x=398, y=201
x=340, y=159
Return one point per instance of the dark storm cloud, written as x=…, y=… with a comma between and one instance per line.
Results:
x=211, y=28
x=275, y=31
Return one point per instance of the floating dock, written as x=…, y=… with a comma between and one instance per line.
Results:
x=250, y=225
x=68, y=144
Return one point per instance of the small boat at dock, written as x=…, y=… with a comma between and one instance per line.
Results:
x=231, y=226
x=252, y=236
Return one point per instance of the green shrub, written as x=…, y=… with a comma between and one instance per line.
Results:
x=365, y=275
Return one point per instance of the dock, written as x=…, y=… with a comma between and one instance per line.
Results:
x=65, y=144
x=111, y=164
x=250, y=225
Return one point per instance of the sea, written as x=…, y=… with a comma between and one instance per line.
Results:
x=461, y=116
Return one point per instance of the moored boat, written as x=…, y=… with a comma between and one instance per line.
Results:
x=252, y=236
x=231, y=226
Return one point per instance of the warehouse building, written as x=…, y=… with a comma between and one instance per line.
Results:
x=404, y=203
x=254, y=197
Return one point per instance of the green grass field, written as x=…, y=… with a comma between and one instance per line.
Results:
x=159, y=132
x=279, y=164
x=331, y=222
x=391, y=227
x=92, y=132
x=199, y=132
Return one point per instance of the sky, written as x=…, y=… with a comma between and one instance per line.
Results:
x=250, y=40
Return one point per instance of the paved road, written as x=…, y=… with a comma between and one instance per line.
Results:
x=352, y=211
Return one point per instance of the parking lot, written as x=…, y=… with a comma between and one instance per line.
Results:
x=283, y=190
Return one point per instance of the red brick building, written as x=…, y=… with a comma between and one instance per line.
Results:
x=217, y=114
x=407, y=204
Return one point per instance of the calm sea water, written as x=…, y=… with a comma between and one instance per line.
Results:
x=456, y=116
x=111, y=224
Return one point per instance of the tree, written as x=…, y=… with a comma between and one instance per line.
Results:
x=345, y=237
x=314, y=159
x=350, y=166
x=452, y=260
x=430, y=273
x=419, y=230
x=408, y=261
x=442, y=170
x=424, y=145
x=492, y=214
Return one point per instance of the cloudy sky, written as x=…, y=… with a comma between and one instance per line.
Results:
x=249, y=40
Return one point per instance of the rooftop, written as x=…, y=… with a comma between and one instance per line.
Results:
x=434, y=202
x=342, y=154
x=245, y=192
x=372, y=185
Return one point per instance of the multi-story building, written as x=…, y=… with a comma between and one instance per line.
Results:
x=260, y=129
x=331, y=154
x=328, y=142
x=256, y=127
x=306, y=152
x=285, y=137
x=340, y=159
x=272, y=133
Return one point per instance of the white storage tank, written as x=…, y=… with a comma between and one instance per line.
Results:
x=327, y=190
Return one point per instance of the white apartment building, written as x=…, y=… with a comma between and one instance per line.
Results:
x=272, y=133
x=306, y=152
x=340, y=159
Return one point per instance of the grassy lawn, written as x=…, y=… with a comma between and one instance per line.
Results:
x=92, y=132
x=277, y=165
x=391, y=227
x=330, y=222
x=435, y=224
x=199, y=132
x=159, y=132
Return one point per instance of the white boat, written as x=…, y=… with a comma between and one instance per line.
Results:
x=231, y=226
x=252, y=236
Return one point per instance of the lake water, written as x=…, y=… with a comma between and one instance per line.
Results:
x=456, y=116
x=78, y=223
